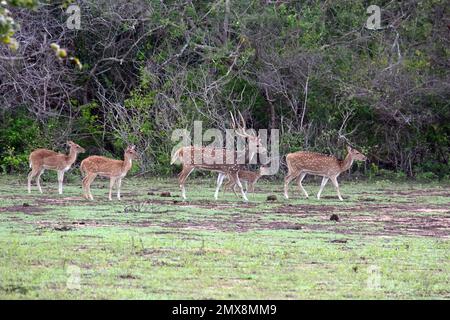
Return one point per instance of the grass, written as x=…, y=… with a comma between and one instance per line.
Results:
x=391, y=241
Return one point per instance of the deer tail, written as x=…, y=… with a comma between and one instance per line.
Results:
x=82, y=168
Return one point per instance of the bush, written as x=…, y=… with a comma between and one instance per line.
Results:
x=19, y=135
x=426, y=176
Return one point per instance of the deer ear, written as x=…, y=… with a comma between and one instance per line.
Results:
x=349, y=149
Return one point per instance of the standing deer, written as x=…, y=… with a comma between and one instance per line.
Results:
x=249, y=178
x=231, y=160
x=113, y=169
x=302, y=163
x=41, y=159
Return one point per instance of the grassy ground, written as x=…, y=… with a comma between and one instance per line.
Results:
x=391, y=241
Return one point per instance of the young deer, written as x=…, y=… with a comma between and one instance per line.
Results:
x=302, y=163
x=41, y=159
x=249, y=179
x=113, y=169
x=231, y=160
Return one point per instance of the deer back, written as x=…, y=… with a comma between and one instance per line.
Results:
x=102, y=166
x=313, y=162
x=50, y=159
x=249, y=176
x=218, y=159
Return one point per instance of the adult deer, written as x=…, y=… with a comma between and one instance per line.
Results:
x=302, y=163
x=226, y=162
x=249, y=178
x=115, y=170
x=42, y=159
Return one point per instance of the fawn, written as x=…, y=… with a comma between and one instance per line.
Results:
x=113, y=169
x=249, y=179
x=41, y=159
x=302, y=163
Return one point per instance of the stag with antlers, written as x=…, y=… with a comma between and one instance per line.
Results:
x=226, y=162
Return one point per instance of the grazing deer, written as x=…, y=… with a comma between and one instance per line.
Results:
x=230, y=163
x=249, y=178
x=113, y=169
x=302, y=163
x=41, y=159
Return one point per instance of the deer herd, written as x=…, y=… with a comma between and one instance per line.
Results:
x=232, y=165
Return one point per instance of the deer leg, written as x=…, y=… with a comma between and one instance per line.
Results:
x=119, y=184
x=229, y=184
x=60, y=181
x=220, y=178
x=232, y=182
x=182, y=179
x=31, y=175
x=336, y=185
x=217, y=185
x=83, y=184
x=234, y=189
x=324, y=182
x=38, y=180
x=300, y=185
x=226, y=185
x=112, y=181
x=287, y=180
x=238, y=182
x=89, y=178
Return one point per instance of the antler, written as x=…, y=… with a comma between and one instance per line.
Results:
x=242, y=131
x=233, y=121
x=243, y=121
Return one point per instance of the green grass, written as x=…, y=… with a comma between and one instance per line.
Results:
x=392, y=241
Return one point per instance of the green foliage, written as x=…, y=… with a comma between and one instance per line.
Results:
x=19, y=135
x=426, y=176
x=177, y=65
x=432, y=169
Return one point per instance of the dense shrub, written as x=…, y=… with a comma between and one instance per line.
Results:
x=309, y=68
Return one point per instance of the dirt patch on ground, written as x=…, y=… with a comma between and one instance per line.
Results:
x=204, y=204
x=392, y=219
x=368, y=216
x=365, y=218
x=418, y=193
x=25, y=208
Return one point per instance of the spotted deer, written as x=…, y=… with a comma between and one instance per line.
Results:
x=302, y=163
x=230, y=163
x=249, y=178
x=115, y=170
x=44, y=159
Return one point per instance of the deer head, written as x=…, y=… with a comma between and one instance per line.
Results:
x=75, y=146
x=355, y=154
x=131, y=152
